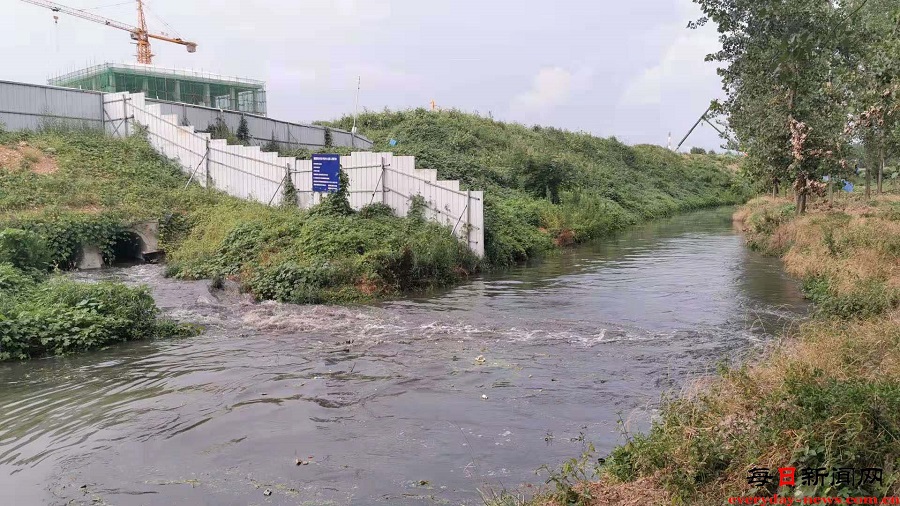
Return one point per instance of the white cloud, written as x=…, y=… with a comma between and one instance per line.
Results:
x=681, y=66
x=552, y=86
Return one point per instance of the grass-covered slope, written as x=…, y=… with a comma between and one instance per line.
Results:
x=602, y=184
x=75, y=188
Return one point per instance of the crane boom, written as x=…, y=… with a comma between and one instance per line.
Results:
x=138, y=33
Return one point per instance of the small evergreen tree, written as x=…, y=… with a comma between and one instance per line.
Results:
x=271, y=146
x=328, y=138
x=218, y=130
x=243, y=131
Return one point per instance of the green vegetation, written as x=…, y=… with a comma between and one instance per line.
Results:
x=546, y=187
x=98, y=185
x=58, y=317
x=44, y=316
x=794, y=72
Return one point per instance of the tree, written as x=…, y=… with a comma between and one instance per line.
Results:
x=243, y=131
x=698, y=151
x=875, y=79
x=272, y=145
x=785, y=102
x=219, y=130
x=544, y=177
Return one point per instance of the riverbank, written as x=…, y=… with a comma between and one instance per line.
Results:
x=77, y=188
x=61, y=190
x=825, y=396
x=546, y=187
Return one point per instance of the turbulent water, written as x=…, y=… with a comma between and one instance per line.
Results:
x=389, y=404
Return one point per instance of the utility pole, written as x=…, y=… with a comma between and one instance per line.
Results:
x=702, y=118
x=355, y=112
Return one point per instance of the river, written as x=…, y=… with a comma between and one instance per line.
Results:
x=424, y=400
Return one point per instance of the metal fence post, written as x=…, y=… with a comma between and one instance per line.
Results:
x=469, y=218
x=125, y=112
x=207, y=163
x=300, y=199
x=383, y=180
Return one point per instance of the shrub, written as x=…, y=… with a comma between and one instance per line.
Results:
x=289, y=192
x=62, y=316
x=14, y=281
x=23, y=249
x=376, y=210
x=336, y=203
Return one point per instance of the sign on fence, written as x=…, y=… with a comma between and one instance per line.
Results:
x=326, y=173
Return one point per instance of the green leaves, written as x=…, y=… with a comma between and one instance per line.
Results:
x=24, y=249
x=60, y=317
x=808, y=63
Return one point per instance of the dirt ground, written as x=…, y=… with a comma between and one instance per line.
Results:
x=23, y=156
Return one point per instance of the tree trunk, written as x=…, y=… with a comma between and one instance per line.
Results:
x=869, y=181
x=830, y=191
x=800, y=192
x=881, y=171
x=775, y=187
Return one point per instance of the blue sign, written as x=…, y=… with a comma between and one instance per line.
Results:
x=392, y=142
x=848, y=186
x=326, y=171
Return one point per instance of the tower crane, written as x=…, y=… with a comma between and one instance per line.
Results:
x=138, y=33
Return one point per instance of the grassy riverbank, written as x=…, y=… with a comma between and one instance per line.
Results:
x=546, y=187
x=825, y=396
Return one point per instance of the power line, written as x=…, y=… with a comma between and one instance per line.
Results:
x=105, y=6
x=161, y=20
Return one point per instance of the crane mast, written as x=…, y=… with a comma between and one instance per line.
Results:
x=143, y=42
x=139, y=33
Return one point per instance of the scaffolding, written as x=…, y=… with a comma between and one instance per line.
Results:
x=182, y=86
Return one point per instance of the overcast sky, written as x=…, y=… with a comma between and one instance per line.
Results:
x=625, y=69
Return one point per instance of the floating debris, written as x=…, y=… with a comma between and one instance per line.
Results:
x=267, y=492
x=484, y=396
x=479, y=359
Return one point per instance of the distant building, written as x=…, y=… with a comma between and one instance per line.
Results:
x=182, y=86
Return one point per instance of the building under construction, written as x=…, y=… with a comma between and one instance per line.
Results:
x=183, y=86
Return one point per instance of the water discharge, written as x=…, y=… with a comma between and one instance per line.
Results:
x=390, y=403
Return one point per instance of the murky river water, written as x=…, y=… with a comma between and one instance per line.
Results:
x=386, y=403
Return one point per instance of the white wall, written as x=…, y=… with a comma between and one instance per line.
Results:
x=248, y=173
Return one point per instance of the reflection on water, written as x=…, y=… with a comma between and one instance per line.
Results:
x=386, y=404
